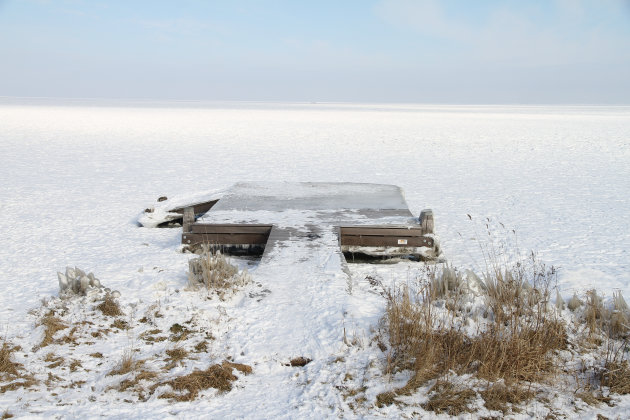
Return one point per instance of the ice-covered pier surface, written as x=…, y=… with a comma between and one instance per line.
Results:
x=310, y=212
x=329, y=202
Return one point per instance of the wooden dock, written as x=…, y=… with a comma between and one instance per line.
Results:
x=369, y=219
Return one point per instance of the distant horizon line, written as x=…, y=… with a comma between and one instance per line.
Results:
x=305, y=102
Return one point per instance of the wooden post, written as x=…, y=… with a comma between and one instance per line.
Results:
x=426, y=221
x=189, y=219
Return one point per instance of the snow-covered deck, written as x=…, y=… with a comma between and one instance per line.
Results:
x=313, y=214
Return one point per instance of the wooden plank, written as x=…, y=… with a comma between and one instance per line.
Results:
x=224, y=238
x=389, y=241
x=230, y=228
x=200, y=208
x=426, y=221
x=380, y=231
x=188, y=219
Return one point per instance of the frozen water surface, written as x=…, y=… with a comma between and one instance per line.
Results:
x=76, y=175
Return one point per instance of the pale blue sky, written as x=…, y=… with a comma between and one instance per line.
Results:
x=426, y=51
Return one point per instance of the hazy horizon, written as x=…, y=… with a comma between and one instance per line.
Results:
x=60, y=100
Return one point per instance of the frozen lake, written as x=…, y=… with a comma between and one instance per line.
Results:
x=75, y=175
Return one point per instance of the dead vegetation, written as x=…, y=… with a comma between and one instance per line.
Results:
x=52, y=324
x=120, y=324
x=110, y=306
x=11, y=371
x=299, y=361
x=126, y=364
x=593, y=397
x=448, y=397
x=53, y=360
x=498, y=337
x=75, y=365
x=214, y=271
x=179, y=332
x=72, y=324
x=71, y=337
x=8, y=367
x=141, y=383
x=175, y=357
x=243, y=368
x=149, y=336
x=498, y=395
x=616, y=376
x=613, y=321
x=201, y=347
x=218, y=376
x=512, y=341
x=504, y=335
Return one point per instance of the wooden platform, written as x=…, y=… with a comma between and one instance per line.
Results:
x=387, y=236
x=371, y=219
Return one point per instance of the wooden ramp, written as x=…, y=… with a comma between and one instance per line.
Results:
x=370, y=219
x=278, y=238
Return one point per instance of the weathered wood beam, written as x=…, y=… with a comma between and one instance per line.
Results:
x=230, y=228
x=188, y=219
x=199, y=208
x=426, y=221
x=224, y=238
x=386, y=241
x=379, y=230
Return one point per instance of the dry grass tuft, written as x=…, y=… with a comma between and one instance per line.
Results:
x=6, y=414
x=13, y=371
x=120, y=324
x=385, y=398
x=53, y=360
x=498, y=396
x=201, y=347
x=175, y=356
x=22, y=381
x=109, y=306
x=179, y=332
x=75, y=365
x=450, y=398
x=215, y=272
x=594, y=313
x=246, y=369
x=619, y=317
x=127, y=364
x=616, y=376
x=149, y=336
x=135, y=382
x=592, y=398
x=612, y=321
x=524, y=354
x=513, y=349
x=52, y=325
x=70, y=338
x=188, y=387
x=7, y=366
x=299, y=361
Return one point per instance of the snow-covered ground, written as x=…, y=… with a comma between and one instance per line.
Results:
x=76, y=175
